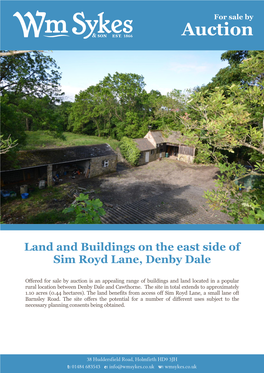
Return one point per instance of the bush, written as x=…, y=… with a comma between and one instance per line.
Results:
x=87, y=211
x=129, y=150
x=232, y=197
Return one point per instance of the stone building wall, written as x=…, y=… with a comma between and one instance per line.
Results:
x=152, y=157
x=103, y=165
x=186, y=158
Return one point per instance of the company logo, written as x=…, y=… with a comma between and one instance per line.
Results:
x=86, y=28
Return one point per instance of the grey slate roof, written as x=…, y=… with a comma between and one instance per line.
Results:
x=144, y=144
x=157, y=136
x=170, y=137
x=43, y=157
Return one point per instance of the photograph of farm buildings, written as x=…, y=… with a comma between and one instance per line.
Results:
x=174, y=138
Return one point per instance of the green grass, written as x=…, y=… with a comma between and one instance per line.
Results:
x=44, y=206
x=51, y=217
x=41, y=139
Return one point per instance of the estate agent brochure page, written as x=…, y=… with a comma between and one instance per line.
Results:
x=132, y=186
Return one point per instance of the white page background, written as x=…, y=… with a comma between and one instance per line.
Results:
x=140, y=327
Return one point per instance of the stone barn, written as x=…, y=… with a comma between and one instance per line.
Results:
x=158, y=144
x=92, y=160
x=148, y=151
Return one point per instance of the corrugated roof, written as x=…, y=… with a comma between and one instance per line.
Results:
x=42, y=157
x=144, y=144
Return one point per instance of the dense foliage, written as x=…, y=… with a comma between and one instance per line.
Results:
x=225, y=121
x=30, y=90
x=86, y=211
x=119, y=106
x=129, y=150
x=30, y=74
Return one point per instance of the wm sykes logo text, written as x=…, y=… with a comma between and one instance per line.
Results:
x=86, y=28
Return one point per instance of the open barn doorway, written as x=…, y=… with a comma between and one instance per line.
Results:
x=172, y=150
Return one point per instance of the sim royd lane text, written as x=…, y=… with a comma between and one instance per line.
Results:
x=117, y=250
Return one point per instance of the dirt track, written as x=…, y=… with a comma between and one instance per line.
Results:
x=166, y=192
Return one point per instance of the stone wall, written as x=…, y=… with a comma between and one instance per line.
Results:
x=152, y=157
x=185, y=158
x=86, y=166
x=97, y=167
x=163, y=154
x=120, y=158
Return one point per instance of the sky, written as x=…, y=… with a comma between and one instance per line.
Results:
x=162, y=70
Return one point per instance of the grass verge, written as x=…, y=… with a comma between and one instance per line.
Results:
x=41, y=139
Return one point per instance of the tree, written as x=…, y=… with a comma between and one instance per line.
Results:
x=6, y=144
x=117, y=106
x=253, y=66
x=126, y=89
x=63, y=110
x=30, y=73
x=89, y=112
x=11, y=119
x=245, y=69
x=41, y=114
x=29, y=84
x=225, y=120
x=225, y=123
x=129, y=106
x=232, y=197
x=231, y=74
x=169, y=108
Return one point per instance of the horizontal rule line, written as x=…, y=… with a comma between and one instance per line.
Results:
x=129, y=227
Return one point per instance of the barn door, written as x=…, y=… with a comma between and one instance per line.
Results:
x=147, y=157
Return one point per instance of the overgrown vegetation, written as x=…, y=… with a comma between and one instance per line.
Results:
x=129, y=150
x=233, y=198
x=44, y=206
x=54, y=205
x=51, y=217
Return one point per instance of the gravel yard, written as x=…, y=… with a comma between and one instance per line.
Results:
x=166, y=192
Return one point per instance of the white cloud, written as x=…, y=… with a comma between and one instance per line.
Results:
x=70, y=92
